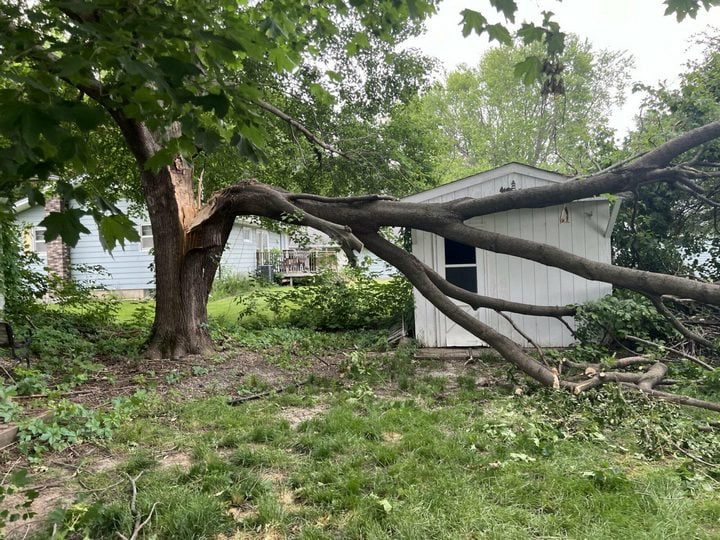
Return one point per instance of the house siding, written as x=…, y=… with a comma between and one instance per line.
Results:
x=30, y=218
x=130, y=268
x=239, y=255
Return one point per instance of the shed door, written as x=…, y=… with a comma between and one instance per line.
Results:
x=461, y=269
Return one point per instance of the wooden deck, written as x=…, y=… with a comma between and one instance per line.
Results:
x=292, y=264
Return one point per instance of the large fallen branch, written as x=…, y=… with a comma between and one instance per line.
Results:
x=356, y=221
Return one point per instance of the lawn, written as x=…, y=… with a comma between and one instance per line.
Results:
x=339, y=435
x=226, y=309
x=379, y=445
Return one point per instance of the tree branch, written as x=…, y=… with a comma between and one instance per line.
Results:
x=309, y=135
x=665, y=312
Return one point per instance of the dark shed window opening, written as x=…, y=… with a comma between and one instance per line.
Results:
x=461, y=265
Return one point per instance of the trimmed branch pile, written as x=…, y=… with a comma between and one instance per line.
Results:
x=357, y=221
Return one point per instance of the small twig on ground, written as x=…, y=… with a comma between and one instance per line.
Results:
x=99, y=490
x=139, y=523
x=672, y=349
x=321, y=360
x=694, y=457
x=38, y=396
x=242, y=399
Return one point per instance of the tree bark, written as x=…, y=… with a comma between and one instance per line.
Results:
x=185, y=265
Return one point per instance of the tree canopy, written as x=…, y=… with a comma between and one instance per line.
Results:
x=485, y=116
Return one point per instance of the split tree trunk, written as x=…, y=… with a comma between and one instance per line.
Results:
x=184, y=273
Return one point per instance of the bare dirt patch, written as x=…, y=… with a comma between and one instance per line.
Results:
x=297, y=415
x=49, y=498
x=175, y=459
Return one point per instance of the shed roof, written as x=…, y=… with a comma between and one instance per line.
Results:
x=549, y=177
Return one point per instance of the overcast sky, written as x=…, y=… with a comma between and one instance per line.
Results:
x=659, y=44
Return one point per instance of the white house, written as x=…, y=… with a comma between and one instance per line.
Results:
x=582, y=227
x=129, y=271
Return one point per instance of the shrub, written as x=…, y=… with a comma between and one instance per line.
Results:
x=347, y=300
x=620, y=315
x=234, y=284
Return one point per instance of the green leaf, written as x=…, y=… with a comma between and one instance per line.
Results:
x=207, y=139
x=247, y=148
x=683, y=8
x=160, y=159
x=322, y=95
x=19, y=477
x=529, y=70
x=33, y=122
x=530, y=33
x=176, y=70
x=35, y=196
x=334, y=75
x=281, y=59
x=66, y=225
x=555, y=42
x=507, y=7
x=85, y=116
x=499, y=33
x=115, y=229
x=472, y=21
x=213, y=102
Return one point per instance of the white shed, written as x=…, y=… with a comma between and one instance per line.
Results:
x=582, y=227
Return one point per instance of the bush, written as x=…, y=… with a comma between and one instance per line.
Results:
x=233, y=284
x=347, y=300
x=620, y=315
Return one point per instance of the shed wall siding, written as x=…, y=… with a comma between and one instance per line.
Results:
x=512, y=278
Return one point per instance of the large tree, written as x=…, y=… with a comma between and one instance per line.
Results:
x=485, y=116
x=177, y=76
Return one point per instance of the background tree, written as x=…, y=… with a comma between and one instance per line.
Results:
x=672, y=228
x=485, y=116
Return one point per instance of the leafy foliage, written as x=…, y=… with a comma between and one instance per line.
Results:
x=664, y=229
x=619, y=315
x=206, y=77
x=71, y=423
x=348, y=300
x=13, y=483
x=484, y=116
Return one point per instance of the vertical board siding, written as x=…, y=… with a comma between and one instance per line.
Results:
x=513, y=278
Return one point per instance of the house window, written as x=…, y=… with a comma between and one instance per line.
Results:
x=461, y=265
x=38, y=241
x=262, y=240
x=146, y=238
x=246, y=234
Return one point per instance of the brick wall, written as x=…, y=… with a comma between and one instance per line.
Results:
x=58, y=254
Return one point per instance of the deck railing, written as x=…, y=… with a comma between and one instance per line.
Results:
x=293, y=261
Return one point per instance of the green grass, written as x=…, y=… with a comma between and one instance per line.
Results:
x=225, y=310
x=429, y=462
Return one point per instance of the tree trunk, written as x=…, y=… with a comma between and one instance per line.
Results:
x=184, y=267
